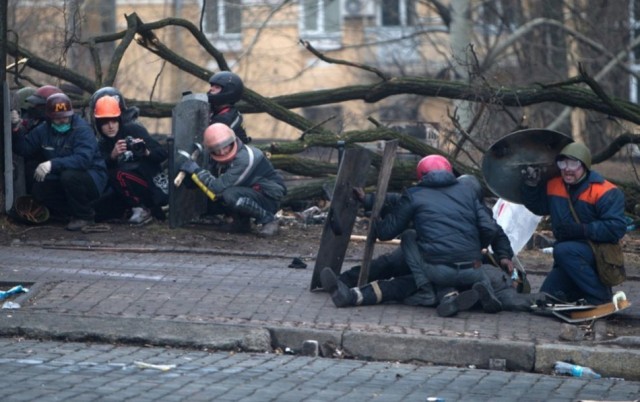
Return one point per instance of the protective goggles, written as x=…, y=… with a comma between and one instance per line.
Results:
x=568, y=164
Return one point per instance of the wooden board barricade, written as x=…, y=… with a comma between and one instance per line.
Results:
x=342, y=213
x=190, y=117
x=388, y=158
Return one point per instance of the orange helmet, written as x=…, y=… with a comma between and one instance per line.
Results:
x=107, y=107
x=430, y=163
x=218, y=136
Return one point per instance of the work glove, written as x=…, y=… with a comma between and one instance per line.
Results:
x=570, y=231
x=531, y=176
x=42, y=171
x=190, y=167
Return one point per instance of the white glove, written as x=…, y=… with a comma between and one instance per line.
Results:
x=42, y=170
x=15, y=118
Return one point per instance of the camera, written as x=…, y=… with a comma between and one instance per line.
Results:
x=136, y=146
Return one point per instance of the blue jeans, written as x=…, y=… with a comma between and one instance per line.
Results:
x=574, y=274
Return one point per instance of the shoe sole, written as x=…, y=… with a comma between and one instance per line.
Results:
x=489, y=303
x=464, y=301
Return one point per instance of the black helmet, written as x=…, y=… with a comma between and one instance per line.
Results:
x=232, y=88
x=473, y=182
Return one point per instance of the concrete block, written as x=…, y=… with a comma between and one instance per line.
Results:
x=440, y=350
x=605, y=360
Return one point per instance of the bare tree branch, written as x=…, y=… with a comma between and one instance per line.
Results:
x=324, y=58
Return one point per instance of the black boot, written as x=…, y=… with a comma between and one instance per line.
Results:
x=455, y=301
x=490, y=304
x=341, y=295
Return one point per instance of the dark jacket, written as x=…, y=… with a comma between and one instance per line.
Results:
x=250, y=168
x=231, y=116
x=598, y=203
x=452, y=225
x=147, y=166
x=76, y=149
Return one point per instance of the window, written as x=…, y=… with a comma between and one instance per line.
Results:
x=320, y=17
x=223, y=17
x=397, y=13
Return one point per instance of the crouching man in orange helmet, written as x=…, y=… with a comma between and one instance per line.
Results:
x=240, y=181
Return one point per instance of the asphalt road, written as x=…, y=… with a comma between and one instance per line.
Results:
x=54, y=371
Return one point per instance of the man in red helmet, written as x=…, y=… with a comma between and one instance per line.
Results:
x=240, y=180
x=451, y=228
x=73, y=174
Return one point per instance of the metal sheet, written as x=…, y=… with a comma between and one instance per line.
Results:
x=503, y=163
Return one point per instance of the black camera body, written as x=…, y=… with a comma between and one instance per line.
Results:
x=137, y=148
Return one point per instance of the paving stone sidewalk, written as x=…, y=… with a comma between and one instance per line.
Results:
x=223, y=301
x=34, y=371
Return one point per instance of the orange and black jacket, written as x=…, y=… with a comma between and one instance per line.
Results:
x=598, y=203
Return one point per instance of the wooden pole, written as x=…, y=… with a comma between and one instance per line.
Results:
x=388, y=157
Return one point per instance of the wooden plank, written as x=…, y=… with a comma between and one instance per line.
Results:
x=394, y=242
x=342, y=213
x=388, y=158
x=190, y=118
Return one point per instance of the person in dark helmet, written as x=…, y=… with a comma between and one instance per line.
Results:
x=133, y=159
x=29, y=110
x=225, y=91
x=451, y=228
x=73, y=174
x=599, y=206
x=127, y=114
x=240, y=181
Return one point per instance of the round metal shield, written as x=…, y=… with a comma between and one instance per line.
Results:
x=503, y=163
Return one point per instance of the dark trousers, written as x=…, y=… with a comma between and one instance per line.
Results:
x=73, y=194
x=387, y=266
x=227, y=203
x=132, y=187
x=574, y=275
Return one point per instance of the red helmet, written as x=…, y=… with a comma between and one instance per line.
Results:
x=107, y=107
x=430, y=163
x=58, y=106
x=42, y=93
x=218, y=136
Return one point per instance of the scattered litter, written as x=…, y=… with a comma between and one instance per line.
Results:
x=575, y=370
x=161, y=367
x=10, y=305
x=297, y=263
x=289, y=351
x=14, y=290
x=547, y=250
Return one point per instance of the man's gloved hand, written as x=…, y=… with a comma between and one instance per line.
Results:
x=531, y=176
x=570, y=231
x=15, y=118
x=42, y=171
x=506, y=264
x=190, y=167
